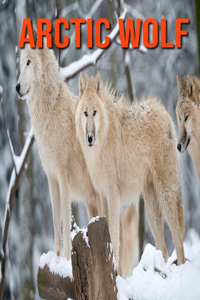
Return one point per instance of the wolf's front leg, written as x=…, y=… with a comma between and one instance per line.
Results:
x=55, y=202
x=114, y=222
x=65, y=213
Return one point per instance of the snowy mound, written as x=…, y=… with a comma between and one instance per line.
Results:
x=57, y=265
x=174, y=282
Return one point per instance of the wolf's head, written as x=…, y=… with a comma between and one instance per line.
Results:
x=188, y=101
x=91, y=114
x=30, y=68
x=38, y=69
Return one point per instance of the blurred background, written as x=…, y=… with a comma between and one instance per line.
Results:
x=135, y=73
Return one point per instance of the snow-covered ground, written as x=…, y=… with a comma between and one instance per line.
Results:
x=57, y=265
x=180, y=282
x=172, y=282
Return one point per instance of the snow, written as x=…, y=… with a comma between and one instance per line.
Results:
x=19, y=159
x=114, y=261
x=173, y=282
x=76, y=229
x=57, y=265
x=94, y=219
x=85, y=236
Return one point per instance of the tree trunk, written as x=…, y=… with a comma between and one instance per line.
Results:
x=52, y=286
x=26, y=234
x=92, y=264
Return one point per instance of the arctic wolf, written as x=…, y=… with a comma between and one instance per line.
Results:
x=52, y=110
x=188, y=117
x=129, y=151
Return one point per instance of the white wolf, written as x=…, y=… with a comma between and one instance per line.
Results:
x=52, y=107
x=188, y=117
x=52, y=110
x=129, y=151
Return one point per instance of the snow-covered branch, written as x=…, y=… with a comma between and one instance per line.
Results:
x=89, y=59
x=75, y=7
x=20, y=162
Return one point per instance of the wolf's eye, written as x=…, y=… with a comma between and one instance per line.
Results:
x=85, y=113
x=94, y=113
x=28, y=62
x=186, y=118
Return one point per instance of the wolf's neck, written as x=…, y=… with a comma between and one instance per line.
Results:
x=51, y=94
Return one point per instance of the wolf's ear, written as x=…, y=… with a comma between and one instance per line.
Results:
x=180, y=85
x=190, y=85
x=98, y=82
x=34, y=26
x=81, y=85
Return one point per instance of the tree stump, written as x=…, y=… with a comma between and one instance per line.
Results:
x=92, y=263
x=94, y=277
x=52, y=286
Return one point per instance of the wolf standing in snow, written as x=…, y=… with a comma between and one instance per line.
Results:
x=52, y=110
x=188, y=117
x=129, y=151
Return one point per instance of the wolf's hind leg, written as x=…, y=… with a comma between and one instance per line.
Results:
x=180, y=209
x=168, y=201
x=55, y=202
x=155, y=218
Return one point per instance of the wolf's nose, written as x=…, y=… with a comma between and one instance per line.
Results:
x=179, y=147
x=18, y=87
x=90, y=138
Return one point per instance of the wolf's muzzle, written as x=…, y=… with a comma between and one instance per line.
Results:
x=90, y=140
x=18, y=87
x=179, y=147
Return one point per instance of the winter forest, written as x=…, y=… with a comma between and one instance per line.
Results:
x=135, y=72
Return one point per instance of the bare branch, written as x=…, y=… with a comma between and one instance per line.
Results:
x=35, y=7
x=13, y=185
x=90, y=59
x=7, y=132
